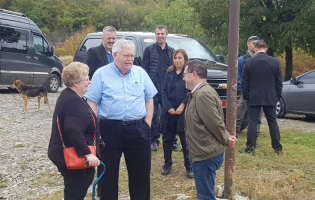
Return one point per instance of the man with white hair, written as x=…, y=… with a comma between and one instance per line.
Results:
x=101, y=55
x=122, y=95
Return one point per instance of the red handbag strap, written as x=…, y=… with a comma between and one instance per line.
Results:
x=63, y=144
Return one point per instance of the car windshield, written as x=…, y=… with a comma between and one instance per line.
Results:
x=194, y=48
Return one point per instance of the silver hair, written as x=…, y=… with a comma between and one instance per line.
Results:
x=108, y=29
x=122, y=44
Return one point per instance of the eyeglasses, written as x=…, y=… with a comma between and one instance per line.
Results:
x=85, y=79
x=127, y=56
x=186, y=73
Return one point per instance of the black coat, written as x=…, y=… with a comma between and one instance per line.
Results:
x=262, y=80
x=182, y=94
x=77, y=128
x=96, y=57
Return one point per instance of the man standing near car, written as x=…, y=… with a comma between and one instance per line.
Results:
x=101, y=55
x=156, y=59
x=205, y=130
x=241, y=106
x=122, y=95
x=262, y=88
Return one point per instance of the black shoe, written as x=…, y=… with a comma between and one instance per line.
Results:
x=167, y=168
x=278, y=151
x=154, y=147
x=177, y=147
x=189, y=172
x=249, y=150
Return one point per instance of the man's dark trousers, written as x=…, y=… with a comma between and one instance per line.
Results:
x=155, y=134
x=134, y=141
x=253, y=117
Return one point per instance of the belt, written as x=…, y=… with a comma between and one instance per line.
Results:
x=124, y=123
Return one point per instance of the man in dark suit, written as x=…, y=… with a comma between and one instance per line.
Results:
x=101, y=55
x=262, y=88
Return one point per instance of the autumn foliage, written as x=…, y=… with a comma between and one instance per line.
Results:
x=302, y=62
x=70, y=46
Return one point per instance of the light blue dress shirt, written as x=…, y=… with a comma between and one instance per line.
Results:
x=121, y=97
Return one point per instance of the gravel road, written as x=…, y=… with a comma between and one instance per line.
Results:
x=25, y=170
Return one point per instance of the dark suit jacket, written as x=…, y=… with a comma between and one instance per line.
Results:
x=262, y=80
x=76, y=125
x=96, y=57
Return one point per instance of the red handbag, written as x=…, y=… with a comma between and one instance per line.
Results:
x=72, y=160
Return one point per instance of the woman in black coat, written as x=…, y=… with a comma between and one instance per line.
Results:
x=174, y=100
x=78, y=129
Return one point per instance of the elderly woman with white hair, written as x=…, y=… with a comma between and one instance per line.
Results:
x=77, y=128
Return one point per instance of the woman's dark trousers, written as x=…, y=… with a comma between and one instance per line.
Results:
x=168, y=139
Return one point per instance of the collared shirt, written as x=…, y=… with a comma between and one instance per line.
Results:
x=120, y=97
x=110, y=57
x=240, y=65
x=196, y=87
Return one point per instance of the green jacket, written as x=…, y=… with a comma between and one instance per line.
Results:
x=204, y=124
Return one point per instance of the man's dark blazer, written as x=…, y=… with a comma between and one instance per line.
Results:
x=96, y=57
x=262, y=80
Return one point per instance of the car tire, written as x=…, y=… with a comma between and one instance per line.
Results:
x=310, y=117
x=53, y=83
x=244, y=125
x=244, y=122
x=280, y=108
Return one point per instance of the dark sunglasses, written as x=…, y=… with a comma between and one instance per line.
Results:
x=255, y=38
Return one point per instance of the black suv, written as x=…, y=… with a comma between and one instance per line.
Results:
x=25, y=53
x=217, y=70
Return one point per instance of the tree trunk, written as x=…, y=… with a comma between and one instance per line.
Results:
x=288, y=63
x=270, y=52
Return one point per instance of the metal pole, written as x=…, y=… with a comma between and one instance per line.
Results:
x=234, y=10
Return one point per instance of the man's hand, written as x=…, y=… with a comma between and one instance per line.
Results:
x=180, y=109
x=148, y=122
x=232, y=141
x=171, y=111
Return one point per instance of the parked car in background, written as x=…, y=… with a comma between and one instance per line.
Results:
x=298, y=96
x=25, y=53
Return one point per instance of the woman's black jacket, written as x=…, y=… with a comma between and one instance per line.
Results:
x=182, y=94
x=76, y=125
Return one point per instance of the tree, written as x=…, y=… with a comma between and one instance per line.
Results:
x=278, y=22
x=178, y=17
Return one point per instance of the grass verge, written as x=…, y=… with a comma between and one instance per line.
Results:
x=265, y=176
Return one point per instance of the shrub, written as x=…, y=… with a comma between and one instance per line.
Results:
x=70, y=46
x=302, y=62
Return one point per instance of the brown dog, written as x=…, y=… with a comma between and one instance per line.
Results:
x=29, y=92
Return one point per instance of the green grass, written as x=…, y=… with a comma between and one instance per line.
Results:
x=265, y=176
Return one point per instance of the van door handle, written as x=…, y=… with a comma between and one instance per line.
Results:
x=36, y=58
x=28, y=57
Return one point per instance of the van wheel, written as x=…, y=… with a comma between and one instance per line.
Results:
x=280, y=109
x=53, y=83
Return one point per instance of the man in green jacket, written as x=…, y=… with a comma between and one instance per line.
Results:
x=205, y=130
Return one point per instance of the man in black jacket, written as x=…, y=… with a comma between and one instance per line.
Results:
x=156, y=59
x=262, y=88
x=101, y=55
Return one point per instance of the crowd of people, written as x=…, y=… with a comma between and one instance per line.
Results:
x=125, y=98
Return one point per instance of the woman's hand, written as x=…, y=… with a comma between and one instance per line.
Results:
x=171, y=111
x=180, y=109
x=92, y=160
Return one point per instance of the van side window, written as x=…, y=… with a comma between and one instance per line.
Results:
x=40, y=44
x=13, y=40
